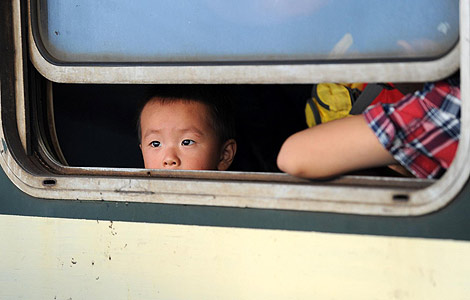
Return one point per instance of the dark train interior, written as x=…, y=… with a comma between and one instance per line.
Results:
x=96, y=124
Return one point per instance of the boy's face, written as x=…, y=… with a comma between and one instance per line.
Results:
x=179, y=135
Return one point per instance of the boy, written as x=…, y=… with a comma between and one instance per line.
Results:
x=186, y=128
x=420, y=132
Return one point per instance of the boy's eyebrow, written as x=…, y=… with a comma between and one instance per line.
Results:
x=149, y=132
x=191, y=129
x=181, y=130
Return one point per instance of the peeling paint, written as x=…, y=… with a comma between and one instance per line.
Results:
x=113, y=230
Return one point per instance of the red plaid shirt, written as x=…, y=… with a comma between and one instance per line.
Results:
x=422, y=130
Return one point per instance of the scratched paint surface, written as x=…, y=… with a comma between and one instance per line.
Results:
x=45, y=258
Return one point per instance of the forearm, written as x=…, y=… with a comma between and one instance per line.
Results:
x=332, y=148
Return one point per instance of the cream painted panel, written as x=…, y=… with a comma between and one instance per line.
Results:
x=45, y=258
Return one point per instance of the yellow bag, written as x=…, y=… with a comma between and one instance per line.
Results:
x=331, y=101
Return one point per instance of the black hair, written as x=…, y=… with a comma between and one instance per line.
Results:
x=217, y=100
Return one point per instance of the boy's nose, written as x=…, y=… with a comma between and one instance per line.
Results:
x=171, y=160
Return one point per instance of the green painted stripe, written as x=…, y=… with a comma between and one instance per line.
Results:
x=451, y=222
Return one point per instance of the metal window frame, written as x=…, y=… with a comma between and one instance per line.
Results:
x=403, y=70
x=348, y=194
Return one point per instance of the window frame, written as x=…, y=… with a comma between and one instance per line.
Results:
x=347, y=194
x=401, y=70
x=333, y=57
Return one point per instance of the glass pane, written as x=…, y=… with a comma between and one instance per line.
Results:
x=246, y=30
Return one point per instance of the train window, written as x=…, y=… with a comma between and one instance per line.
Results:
x=76, y=139
x=242, y=41
x=215, y=31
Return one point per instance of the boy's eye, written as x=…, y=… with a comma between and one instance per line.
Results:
x=187, y=142
x=155, y=144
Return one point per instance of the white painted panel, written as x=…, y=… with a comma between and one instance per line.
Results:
x=84, y=259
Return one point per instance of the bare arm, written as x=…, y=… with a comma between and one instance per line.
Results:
x=333, y=148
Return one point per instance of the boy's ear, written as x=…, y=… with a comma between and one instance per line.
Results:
x=227, y=154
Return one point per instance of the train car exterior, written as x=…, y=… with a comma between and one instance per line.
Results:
x=105, y=233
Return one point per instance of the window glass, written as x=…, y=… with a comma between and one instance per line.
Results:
x=245, y=30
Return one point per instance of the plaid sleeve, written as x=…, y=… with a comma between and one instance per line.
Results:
x=422, y=130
